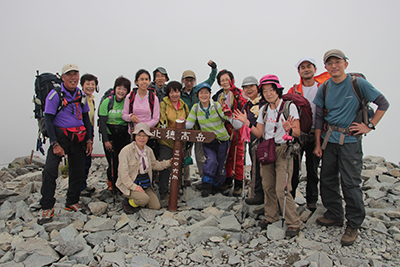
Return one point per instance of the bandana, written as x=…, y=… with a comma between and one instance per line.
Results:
x=143, y=160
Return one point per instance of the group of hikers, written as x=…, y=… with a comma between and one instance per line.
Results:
x=259, y=111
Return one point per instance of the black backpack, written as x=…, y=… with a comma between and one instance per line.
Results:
x=107, y=94
x=44, y=83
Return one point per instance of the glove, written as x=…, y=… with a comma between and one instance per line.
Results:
x=233, y=86
x=227, y=111
x=213, y=65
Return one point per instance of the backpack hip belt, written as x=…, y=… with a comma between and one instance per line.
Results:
x=330, y=128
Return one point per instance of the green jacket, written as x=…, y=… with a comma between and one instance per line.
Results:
x=191, y=97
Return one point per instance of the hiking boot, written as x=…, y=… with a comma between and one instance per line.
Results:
x=75, y=207
x=312, y=206
x=215, y=189
x=264, y=223
x=46, y=216
x=256, y=200
x=328, y=222
x=349, y=236
x=292, y=231
x=227, y=184
x=128, y=209
x=205, y=190
x=237, y=189
x=164, y=196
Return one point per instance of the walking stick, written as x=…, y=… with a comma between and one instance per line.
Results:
x=286, y=185
x=113, y=174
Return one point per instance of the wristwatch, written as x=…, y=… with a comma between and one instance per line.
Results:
x=371, y=126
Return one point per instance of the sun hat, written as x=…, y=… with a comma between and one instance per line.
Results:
x=142, y=127
x=309, y=59
x=270, y=79
x=188, y=74
x=69, y=67
x=162, y=71
x=334, y=53
x=249, y=80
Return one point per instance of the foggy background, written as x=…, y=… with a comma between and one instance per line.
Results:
x=113, y=38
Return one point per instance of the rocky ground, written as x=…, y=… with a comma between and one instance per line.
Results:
x=212, y=231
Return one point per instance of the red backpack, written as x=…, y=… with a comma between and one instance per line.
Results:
x=303, y=107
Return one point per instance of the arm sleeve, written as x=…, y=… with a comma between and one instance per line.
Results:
x=381, y=102
x=88, y=125
x=125, y=112
x=211, y=77
x=156, y=113
x=163, y=115
x=103, y=128
x=319, y=118
x=51, y=131
x=236, y=124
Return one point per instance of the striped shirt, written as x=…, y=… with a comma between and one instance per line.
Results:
x=213, y=124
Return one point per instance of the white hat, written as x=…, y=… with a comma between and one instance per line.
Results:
x=309, y=59
x=142, y=127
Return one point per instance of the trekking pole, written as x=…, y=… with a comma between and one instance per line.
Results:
x=286, y=185
x=113, y=174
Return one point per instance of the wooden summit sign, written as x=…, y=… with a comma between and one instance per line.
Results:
x=179, y=135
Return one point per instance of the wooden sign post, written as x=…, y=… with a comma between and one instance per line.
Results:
x=179, y=135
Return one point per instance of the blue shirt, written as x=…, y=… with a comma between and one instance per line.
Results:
x=342, y=104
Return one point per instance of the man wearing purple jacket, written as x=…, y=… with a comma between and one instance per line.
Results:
x=67, y=123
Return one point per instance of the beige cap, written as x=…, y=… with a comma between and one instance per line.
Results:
x=188, y=74
x=142, y=127
x=334, y=53
x=69, y=67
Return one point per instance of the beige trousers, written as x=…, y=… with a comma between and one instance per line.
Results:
x=274, y=181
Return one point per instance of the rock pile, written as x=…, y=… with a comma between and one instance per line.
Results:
x=213, y=231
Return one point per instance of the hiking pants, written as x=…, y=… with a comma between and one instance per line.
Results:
x=213, y=168
x=147, y=198
x=255, y=168
x=76, y=160
x=232, y=164
x=345, y=160
x=274, y=181
x=163, y=177
x=312, y=163
x=118, y=142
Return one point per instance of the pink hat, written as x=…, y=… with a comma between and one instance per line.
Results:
x=268, y=79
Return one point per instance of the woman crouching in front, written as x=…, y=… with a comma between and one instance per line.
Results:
x=274, y=176
x=136, y=162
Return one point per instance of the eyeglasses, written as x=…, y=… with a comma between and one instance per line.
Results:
x=141, y=135
x=189, y=80
x=336, y=62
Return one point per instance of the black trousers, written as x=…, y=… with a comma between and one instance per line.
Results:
x=118, y=141
x=76, y=161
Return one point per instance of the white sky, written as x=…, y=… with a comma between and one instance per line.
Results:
x=112, y=38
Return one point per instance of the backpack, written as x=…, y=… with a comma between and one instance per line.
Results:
x=152, y=96
x=110, y=95
x=303, y=108
x=44, y=83
x=366, y=110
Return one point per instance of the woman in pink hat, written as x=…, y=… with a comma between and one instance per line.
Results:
x=276, y=176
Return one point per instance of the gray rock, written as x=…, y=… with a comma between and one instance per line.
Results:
x=97, y=208
x=30, y=177
x=84, y=256
x=204, y=233
x=54, y=225
x=7, y=214
x=9, y=256
x=301, y=263
x=97, y=224
x=197, y=203
x=38, y=250
x=147, y=214
x=113, y=259
x=275, y=231
x=229, y=223
x=69, y=241
x=196, y=257
x=153, y=245
x=226, y=205
x=22, y=211
x=97, y=237
x=321, y=258
x=143, y=261
x=121, y=223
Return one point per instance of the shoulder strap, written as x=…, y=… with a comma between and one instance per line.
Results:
x=356, y=88
x=151, y=100
x=285, y=108
x=215, y=107
x=131, y=99
x=110, y=103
